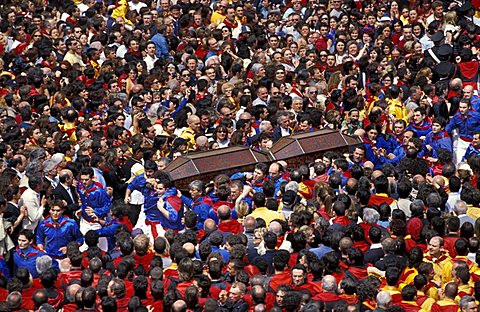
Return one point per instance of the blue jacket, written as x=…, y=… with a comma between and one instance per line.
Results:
x=95, y=197
x=436, y=141
x=108, y=230
x=277, y=183
x=174, y=205
x=465, y=124
x=201, y=206
x=161, y=44
x=470, y=151
x=421, y=130
x=150, y=196
x=56, y=235
x=370, y=154
x=27, y=258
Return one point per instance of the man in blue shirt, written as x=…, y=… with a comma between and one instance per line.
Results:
x=95, y=204
x=56, y=231
x=25, y=255
x=436, y=139
x=419, y=125
x=465, y=121
x=474, y=147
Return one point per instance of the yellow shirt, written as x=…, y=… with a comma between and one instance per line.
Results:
x=427, y=304
x=438, y=265
x=189, y=134
x=266, y=214
x=397, y=109
x=217, y=18
x=473, y=212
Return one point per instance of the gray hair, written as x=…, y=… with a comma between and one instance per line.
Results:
x=33, y=168
x=329, y=283
x=465, y=301
x=460, y=207
x=49, y=165
x=384, y=299
x=197, y=185
x=297, y=99
x=264, y=125
x=291, y=186
x=370, y=216
x=37, y=153
x=43, y=263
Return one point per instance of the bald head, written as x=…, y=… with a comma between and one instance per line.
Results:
x=376, y=174
x=368, y=164
x=194, y=123
x=224, y=212
x=189, y=248
x=209, y=226
x=275, y=227
x=71, y=291
x=249, y=223
x=456, y=84
x=179, y=306
x=439, y=180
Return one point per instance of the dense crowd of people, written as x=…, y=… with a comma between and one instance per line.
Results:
x=98, y=97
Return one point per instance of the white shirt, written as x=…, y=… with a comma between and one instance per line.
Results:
x=31, y=200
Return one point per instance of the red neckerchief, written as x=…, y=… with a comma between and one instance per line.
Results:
x=230, y=24
x=437, y=260
x=423, y=126
x=367, y=141
x=135, y=53
x=439, y=136
x=30, y=254
x=56, y=225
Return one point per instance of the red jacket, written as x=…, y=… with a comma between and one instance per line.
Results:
x=232, y=226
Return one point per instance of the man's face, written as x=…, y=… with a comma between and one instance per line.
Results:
x=195, y=125
x=55, y=213
x=191, y=65
x=147, y=19
x=297, y=106
x=434, y=247
x=258, y=175
x=467, y=93
x=418, y=118
x=151, y=49
x=358, y=155
x=476, y=141
x=274, y=171
x=23, y=242
x=439, y=11
x=436, y=127
x=463, y=108
x=239, y=12
x=279, y=297
x=195, y=193
x=231, y=14
x=235, y=294
x=86, y=180
x=234, y=192
x=297, y=277
x=170, y=128
x=398, y=128
x=262, y=94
